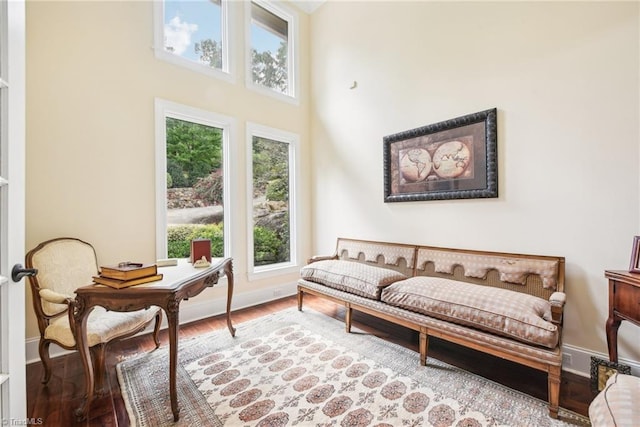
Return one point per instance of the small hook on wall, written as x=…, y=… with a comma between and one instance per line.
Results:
x=354, y=85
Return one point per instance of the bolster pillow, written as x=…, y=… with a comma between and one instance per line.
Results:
x=350, y=276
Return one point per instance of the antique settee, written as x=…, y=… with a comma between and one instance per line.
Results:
x=507, y=305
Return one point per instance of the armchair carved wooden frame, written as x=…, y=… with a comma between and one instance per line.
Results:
x=65, y=264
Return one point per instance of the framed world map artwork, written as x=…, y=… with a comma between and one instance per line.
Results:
x=454, y=159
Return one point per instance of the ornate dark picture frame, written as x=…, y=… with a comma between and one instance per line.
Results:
x=634, y=264
x=454, y=159
x=602, y=369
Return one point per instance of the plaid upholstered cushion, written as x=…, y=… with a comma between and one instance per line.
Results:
x=503, y=312
x=617, y=403
x=350, y=276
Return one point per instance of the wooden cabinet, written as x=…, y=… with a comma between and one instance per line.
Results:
x=624, y=304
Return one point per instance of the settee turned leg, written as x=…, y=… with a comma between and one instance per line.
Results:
x=300, y=294
x=424, y=344
x=555, y=373
x=347, y=318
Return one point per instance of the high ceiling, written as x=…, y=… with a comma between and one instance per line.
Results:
x=308, y=6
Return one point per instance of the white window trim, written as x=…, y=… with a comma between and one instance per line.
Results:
x=227, y=73
x=163, y=109
x=254, y=129
x=291, y=17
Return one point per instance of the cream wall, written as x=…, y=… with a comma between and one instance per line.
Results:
x=91, y=82
x=565, y=80
x=563, y=76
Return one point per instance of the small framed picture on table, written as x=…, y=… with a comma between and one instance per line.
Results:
x=634, y=265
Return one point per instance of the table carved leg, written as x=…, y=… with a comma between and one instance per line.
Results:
x=173, y=314
x=173, y=310
x=611, y=327
x=98, y=355
x=228, y=271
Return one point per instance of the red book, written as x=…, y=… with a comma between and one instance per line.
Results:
x=200, y=248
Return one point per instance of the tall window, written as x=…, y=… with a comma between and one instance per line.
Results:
x=191, y=179
x=193, y=34
x=273, y=198
x=272, y=48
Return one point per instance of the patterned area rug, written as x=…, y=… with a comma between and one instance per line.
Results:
x=301, y=369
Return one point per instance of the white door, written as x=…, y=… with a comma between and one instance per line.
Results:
x=13, y=401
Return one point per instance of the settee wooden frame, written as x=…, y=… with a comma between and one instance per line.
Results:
x=369, y=252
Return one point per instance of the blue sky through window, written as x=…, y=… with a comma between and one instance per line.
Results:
x=189, y=22
x=263, y=40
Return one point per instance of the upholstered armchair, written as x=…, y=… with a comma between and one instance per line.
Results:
x=63, y=265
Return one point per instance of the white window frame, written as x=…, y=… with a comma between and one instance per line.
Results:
x=291, y=17
x=164, y=109
x=228, y=65
x=254, y=129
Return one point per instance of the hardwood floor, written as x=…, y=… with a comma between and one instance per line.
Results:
x=55, y=402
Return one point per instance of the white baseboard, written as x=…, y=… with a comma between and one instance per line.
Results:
x=189, y=313
x=576, y=360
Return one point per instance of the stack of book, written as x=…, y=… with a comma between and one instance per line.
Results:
x=127, y=274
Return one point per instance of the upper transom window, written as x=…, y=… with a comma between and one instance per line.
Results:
x=272, y=48
x=192, y=33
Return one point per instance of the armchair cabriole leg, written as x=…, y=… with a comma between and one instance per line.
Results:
x=43, y=349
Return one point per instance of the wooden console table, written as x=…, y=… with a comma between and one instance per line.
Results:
x=624, y=304
x=179, y=282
